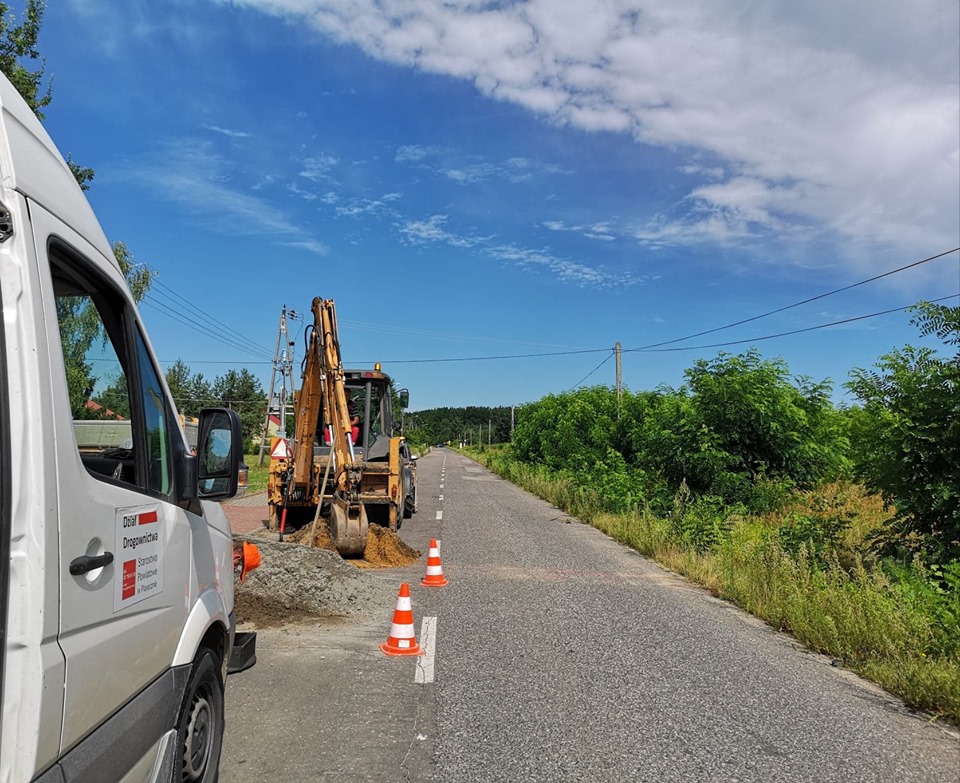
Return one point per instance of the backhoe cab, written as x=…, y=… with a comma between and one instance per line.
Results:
x=348, y=460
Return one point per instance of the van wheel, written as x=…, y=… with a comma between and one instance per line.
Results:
x=200, y=727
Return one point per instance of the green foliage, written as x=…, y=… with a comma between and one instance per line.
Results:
x=82, y=174
x=190, y=391
x=243, y=392
x=573, y=430
x=749, y=421
x=739, y=431
x=701, y=523
x=443, y=425
x=81, y=330
x=18, y=42
x=907, y=437
x=22, y=64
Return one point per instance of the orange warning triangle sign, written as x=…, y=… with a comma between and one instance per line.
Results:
x=279, y=449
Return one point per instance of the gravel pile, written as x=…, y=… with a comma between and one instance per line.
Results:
x=298, y=582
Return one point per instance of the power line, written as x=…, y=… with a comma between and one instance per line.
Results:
x=797, y=304
x=580, y=382
x=251, y=348
x=215, y=322
x=649, y=349
x=203, y=328
x=484, y=358
x=787, y=334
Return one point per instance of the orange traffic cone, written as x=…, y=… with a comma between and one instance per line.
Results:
x=434, y=577
x=402, y=640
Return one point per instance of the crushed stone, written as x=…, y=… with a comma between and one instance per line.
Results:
x=295, y=582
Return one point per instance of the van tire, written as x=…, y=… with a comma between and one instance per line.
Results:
x=200, y=725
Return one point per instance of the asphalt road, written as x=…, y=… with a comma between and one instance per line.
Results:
x=558, y=655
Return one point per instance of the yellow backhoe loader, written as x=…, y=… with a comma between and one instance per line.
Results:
x=347, y=463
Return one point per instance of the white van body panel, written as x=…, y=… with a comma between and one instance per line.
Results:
x=207, y=611
x=80, y=669
x=34, y=664
x=110, y=654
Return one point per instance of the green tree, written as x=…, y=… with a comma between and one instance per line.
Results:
x=18, y=42
x=190, y=391
x=755, y=423
x=22, y=64
x=907, y=436
x=81, y=329
x=243, y=392
x=80, y=325
x=573, y=430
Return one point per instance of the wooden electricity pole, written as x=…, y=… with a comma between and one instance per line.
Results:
x=619, y=379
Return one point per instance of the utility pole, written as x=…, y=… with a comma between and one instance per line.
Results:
x=283, y=364
x=512, y=408
x=489, y=431
x=619, y=379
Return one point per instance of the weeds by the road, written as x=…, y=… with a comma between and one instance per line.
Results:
x=806, y=568
x=257, y=474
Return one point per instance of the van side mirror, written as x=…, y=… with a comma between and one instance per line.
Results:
x=219, y=453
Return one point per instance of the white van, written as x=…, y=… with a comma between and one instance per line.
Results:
x=116, y=573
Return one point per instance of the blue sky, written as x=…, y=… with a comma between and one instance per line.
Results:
x=475, y=179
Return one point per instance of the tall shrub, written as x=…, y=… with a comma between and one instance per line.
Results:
x=907, y=435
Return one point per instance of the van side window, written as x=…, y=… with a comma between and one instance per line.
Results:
x=155, y=418
x=121, y=420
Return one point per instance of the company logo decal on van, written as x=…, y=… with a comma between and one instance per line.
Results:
x=140, y=552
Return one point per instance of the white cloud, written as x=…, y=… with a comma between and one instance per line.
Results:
x=434, y=230
x=366, y=206
x=233, y=134
x=512, y=170
x=414, y=153
x=306, y=195
x=310, y=245
x=191, y=175
x=565, y=270
x=839, y=118
x=418, y=232
x=318, y=167
x=600, y=231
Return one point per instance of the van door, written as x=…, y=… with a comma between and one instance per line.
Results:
x=125, y=575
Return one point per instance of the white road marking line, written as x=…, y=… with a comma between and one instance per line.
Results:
x=440, y=498
x=428, y=643
x=439, y=515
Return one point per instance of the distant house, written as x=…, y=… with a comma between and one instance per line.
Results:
x=273, y=425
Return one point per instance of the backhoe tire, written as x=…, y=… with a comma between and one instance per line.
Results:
x=200, y=725
x=410, y=504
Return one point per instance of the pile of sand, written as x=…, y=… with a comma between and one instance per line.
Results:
x=384, y=549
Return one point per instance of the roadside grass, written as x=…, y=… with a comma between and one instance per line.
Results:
x=257, y=474
x=806, y=569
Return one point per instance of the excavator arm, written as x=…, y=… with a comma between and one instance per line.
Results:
x=323, y=389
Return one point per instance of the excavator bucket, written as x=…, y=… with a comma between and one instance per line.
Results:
x=348, y=528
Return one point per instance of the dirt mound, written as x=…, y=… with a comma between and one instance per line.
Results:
x=386, y=550
x=321, y=538
x=297, y=582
